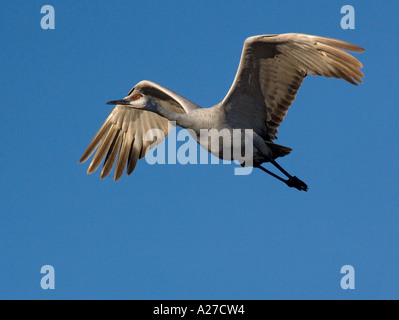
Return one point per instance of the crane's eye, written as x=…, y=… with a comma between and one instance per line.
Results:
x=136, y=96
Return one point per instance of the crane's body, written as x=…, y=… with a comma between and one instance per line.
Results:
x=271, y=70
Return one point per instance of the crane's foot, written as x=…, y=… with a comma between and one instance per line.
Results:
x=294, y=182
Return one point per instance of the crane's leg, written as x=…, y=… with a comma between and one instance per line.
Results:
x=292, y=182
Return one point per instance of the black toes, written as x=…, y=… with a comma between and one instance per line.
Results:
x=294, y=182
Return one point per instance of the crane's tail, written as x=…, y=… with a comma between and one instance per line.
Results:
x=278, y=150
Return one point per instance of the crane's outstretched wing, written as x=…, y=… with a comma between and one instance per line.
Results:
x=272, y=69
x=125, y=130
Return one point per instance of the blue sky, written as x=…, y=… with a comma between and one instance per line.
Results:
x=195, y=231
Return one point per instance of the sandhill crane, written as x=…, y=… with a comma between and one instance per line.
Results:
x=269, y=75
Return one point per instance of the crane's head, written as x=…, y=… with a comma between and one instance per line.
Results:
x=136, y=101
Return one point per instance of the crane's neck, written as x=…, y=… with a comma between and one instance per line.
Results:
x=181, y=119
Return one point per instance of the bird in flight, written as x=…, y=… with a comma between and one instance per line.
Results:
x=269, y=75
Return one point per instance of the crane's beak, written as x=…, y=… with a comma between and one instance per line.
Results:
x=123, y=102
